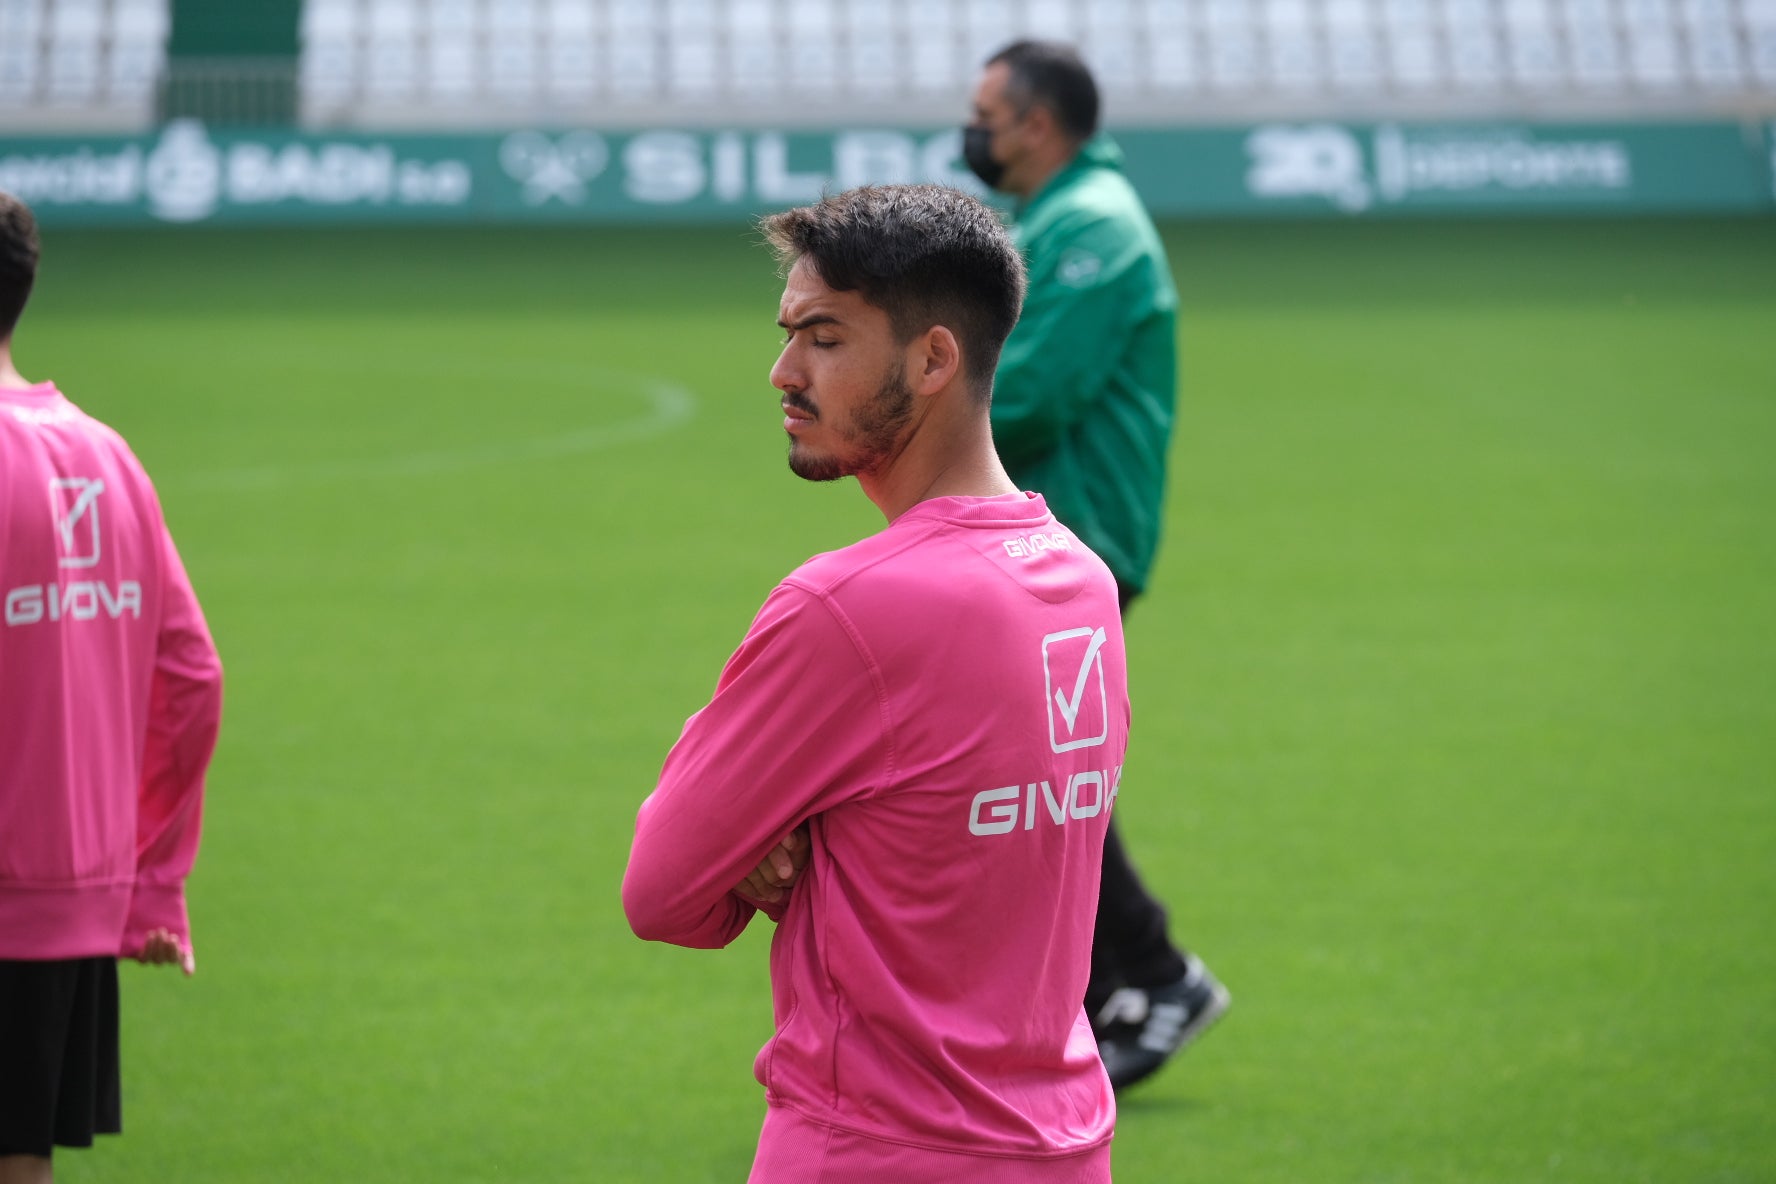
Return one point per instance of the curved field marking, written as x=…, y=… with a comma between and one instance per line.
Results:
x=669, y=406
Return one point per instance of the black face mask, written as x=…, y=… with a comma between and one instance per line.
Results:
x=977, y=154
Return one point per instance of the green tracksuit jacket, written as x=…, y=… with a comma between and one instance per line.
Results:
x=1084, y=396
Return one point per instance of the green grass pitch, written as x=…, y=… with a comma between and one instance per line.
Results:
x=1455, y=694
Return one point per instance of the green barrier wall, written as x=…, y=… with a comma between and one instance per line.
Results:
x=188, y=173
x=222, y=28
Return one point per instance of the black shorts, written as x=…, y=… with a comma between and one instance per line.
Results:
x=58, y=1054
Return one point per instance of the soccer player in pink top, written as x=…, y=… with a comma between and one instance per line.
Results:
x=110, y=697
x=911, y=760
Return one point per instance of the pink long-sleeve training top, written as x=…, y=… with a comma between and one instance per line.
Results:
x=945, y=704
x=110, y=692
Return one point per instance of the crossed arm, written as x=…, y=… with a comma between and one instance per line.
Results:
x=770, y=882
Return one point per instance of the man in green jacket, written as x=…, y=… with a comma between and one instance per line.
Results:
x=1083, y=402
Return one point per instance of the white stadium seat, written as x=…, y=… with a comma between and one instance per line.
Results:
x=329, y=20
x=1354, y=59
x=1053, y=18
x=634, y=67
x=75, y=23
x=813, y=66
x=1162, y=17
x=1347, y=16
x=1172, y=61
x=391, y=68
x=511, y=18
x=1654, y=58
x=690, y=18
x=934, y=66
x=20, y=20
x=451, y=67
x=1714, y=59
x=141, y=21
x=1407, y=14
x=452, y=18
x=1527, y=14
x=392, y=20
x=1763, y=55
x=1116, y=60
x=73, y=72
x=1413, y=60
x=570, y=71
x=874, y=64
x=131, y=70
x=751, y=16
x=1474, y=58
x=1534, y=58
x=19, y=67
x=1234, y=63
x=1295, y=63
x=991, y=18
x=1288, y=17
x=753, y=66
x=568, y=19
x=1595, y=59
x=691, y=68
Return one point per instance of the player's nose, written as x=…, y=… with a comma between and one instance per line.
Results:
x=786, y=375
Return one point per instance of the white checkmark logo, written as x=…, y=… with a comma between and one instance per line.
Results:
x=1070, y=707
x=78, y=510
x=89, y=490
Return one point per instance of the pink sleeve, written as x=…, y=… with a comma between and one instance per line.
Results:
x=184, y=713
x=797, y=725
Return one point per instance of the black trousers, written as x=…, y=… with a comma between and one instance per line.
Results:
x=1131, y=945
x=59, y=1081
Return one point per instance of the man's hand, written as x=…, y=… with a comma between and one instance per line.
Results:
x=163, y=948
x=771, y=881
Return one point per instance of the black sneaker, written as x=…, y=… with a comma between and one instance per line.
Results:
x=1139, y=1028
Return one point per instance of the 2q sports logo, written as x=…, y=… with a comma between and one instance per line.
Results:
x=1073, y=669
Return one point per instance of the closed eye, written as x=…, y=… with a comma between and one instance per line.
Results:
x=817, y=343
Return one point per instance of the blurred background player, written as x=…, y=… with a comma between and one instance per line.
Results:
x=111, y=693
x=1083, y=403
x=943, y=707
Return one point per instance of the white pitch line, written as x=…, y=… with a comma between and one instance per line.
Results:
x=669, y=406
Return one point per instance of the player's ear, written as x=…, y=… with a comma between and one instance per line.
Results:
x=936, y=362
x=1041, y=121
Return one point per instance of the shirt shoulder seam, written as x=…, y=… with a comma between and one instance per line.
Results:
x=823, y=597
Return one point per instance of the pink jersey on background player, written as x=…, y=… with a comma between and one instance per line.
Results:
x=100, y=794
x=945, y=705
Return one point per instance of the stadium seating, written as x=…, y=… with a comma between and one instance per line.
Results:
x=89, y=63
x=499, y=61
x=466, y=63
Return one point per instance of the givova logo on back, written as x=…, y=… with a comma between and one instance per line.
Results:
x=74, y=510
x=1078, y=717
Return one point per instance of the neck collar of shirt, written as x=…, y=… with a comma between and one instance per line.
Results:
x=1000, y=510
x=1099, y=152
x=37, y=390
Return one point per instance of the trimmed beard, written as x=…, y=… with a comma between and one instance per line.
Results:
x=871, y=438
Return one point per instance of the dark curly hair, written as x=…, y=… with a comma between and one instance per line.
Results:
x=18, y=260
x=924, y=254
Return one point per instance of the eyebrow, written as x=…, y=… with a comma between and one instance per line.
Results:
x=808, y=322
